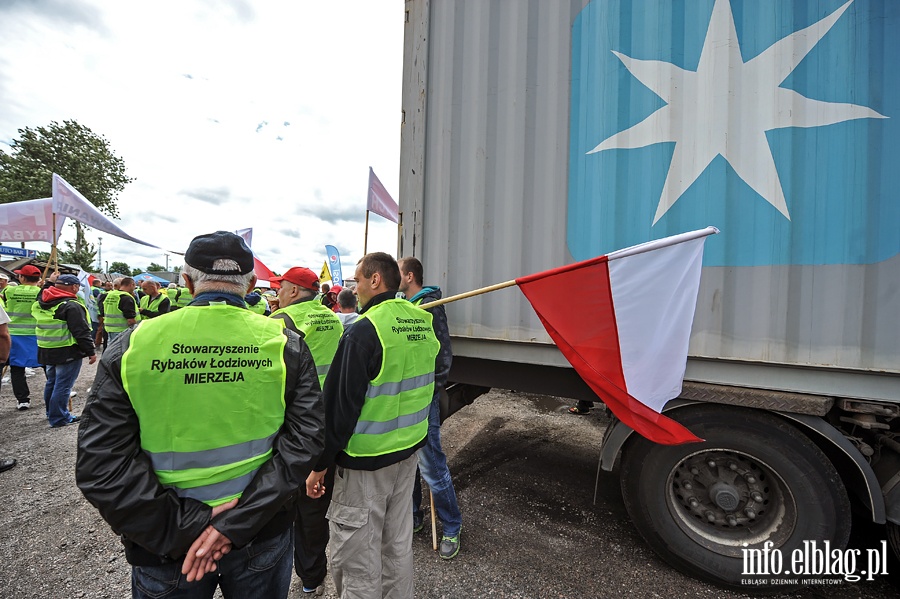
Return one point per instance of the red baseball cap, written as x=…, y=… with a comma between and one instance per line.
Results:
x=29, y=271
x=302, y=276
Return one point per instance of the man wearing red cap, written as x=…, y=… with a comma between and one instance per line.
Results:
x=24, y=351
x=321, y=329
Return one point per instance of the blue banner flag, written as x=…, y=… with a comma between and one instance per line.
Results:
x=334, y=263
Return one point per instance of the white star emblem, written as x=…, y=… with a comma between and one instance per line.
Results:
x=726, y=107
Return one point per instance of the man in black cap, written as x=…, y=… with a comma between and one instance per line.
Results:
x=63, y=331
x=192, y=447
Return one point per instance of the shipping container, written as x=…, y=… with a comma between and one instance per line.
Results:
x=537, y=133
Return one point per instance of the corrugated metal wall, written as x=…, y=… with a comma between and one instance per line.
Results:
x=484, y=183
x=494, y=156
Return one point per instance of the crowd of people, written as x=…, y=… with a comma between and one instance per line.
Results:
x=232, y=433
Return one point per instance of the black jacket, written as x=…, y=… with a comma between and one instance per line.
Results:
x=442, y=331
x=156, y=525
x=356, y=363
x=76, y=318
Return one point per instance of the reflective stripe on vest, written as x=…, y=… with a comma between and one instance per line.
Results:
x=394, y=415
x=114, y=320
x=209, y=398
x=19, y=301
x=50, y=331
x=322, y=331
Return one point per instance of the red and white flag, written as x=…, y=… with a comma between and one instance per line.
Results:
x=630, y=345
x=380, y=201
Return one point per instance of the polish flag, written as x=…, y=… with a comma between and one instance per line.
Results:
x=631, y=345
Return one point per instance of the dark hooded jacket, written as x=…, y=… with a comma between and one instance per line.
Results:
x=74, y=314
x=441, y=331
x=254, y=297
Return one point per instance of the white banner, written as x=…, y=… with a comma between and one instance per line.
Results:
x=67, y=201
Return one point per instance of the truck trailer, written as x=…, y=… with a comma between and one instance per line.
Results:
x=538, y=133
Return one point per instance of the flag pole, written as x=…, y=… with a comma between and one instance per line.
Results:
x=366, y=238
x=52, y=249
x=631, y=251
x=473, y=293
x=399, y=232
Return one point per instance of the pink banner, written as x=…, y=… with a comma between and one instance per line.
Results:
x=31, y=220
x=380, y=201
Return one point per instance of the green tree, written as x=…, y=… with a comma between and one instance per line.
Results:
x=154, y=267
x=121, y=268
x=85, y=257
x=71, y=150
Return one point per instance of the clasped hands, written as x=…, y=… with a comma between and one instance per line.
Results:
x=208, y=549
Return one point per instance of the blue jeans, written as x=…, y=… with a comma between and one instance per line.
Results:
x=60, y=380
x=433, y=466
x=261, y=569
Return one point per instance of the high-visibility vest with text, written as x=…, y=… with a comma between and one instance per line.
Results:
x=19, y=300
x=394, y=415
x=207, y=384
x=321, y=329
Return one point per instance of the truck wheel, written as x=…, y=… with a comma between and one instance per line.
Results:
x=755, y=479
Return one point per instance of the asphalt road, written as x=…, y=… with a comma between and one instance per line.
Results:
x=524, y=469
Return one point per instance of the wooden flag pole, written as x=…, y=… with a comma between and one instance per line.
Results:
x=366, y=238
x=52, y=249
x=473, y=293
x=434, y=542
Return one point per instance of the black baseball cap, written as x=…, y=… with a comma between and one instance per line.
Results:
x=221, y=245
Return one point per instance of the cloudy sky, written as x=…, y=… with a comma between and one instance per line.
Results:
x=228, y=113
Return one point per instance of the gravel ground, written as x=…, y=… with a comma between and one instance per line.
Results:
x=524, y=471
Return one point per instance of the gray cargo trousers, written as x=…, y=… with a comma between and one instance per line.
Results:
x=371, y=531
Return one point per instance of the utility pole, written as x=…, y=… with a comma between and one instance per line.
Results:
x=100, y=253
x=167, y=262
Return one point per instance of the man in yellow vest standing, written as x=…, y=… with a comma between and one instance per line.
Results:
x=200, y=428
x=377, y=397
x=432, y=459
x=24, y=351
x=118, y=309
x=321, y=329
x=63, y=330
x=153, y=303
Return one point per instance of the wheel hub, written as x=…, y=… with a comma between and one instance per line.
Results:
x=728, y=500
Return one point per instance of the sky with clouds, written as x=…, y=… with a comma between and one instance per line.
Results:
x=228, y=113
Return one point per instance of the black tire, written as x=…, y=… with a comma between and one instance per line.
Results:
x=770, y=480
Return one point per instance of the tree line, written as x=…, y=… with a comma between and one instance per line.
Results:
x=81, y=157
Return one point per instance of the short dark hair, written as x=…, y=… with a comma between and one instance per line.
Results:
x=126, y=281
x=412, y=264
x=346, y=299
x=383, y=264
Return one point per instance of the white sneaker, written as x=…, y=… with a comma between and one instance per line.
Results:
x=5, y=379
x=29, y=371
x=73, y=393
x=23, y=405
